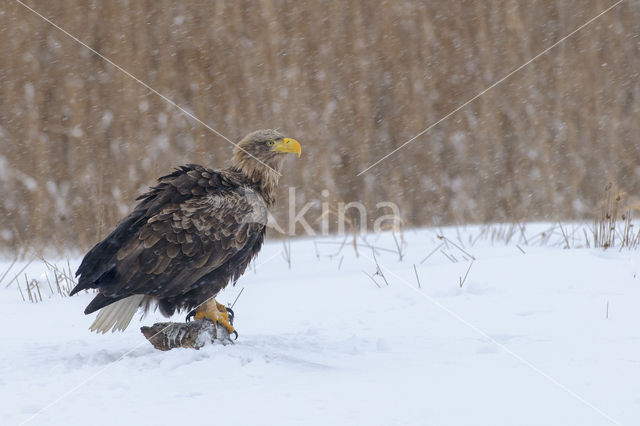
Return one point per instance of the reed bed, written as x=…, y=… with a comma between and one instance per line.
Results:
x=79, y=140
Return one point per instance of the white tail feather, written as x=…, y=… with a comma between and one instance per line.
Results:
x=117, y=315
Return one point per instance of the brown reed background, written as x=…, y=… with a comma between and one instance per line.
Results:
x=351, y=80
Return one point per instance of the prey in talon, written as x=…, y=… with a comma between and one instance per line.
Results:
x=191, y=235
x=216, y=313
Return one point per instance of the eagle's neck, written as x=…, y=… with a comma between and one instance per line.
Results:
x=260, y=177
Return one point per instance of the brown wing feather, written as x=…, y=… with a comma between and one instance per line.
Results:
x=195, y=222
x=199, y=237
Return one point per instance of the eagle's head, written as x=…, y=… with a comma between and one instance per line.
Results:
x=262, y=152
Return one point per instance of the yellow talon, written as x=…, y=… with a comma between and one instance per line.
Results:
x=217, y=313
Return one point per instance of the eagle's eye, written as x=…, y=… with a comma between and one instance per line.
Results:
x=271, y=142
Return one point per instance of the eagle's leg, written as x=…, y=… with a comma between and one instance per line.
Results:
x=217, y=313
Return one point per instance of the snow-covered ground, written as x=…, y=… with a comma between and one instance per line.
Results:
x=536, y=335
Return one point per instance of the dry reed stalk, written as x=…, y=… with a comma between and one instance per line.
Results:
x=416, y=272
x=613, y=227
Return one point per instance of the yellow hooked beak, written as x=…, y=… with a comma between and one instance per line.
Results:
x=288, y=145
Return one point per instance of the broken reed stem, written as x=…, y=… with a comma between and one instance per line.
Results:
x=431, y=253
x=510, y=233
x=48, y=281
x=523, y=234
x=37, y=284
x=378, y=269
x=286, y=253
x=35, y=296
x=442, y=237
x=21, y=294
x=28, y=288
x=8, y=269
x=68, y=282
x=62, y=277
x=18, y=274
x=586, y=238
x=566, y=238
x=57, y=283
x=70, y=272
x=398, y=245
x=68, y=277
x=355, y=241
x=372, y=279
x=237, y=297
x=448, y=257
x=416, y=272
x=462, y=280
